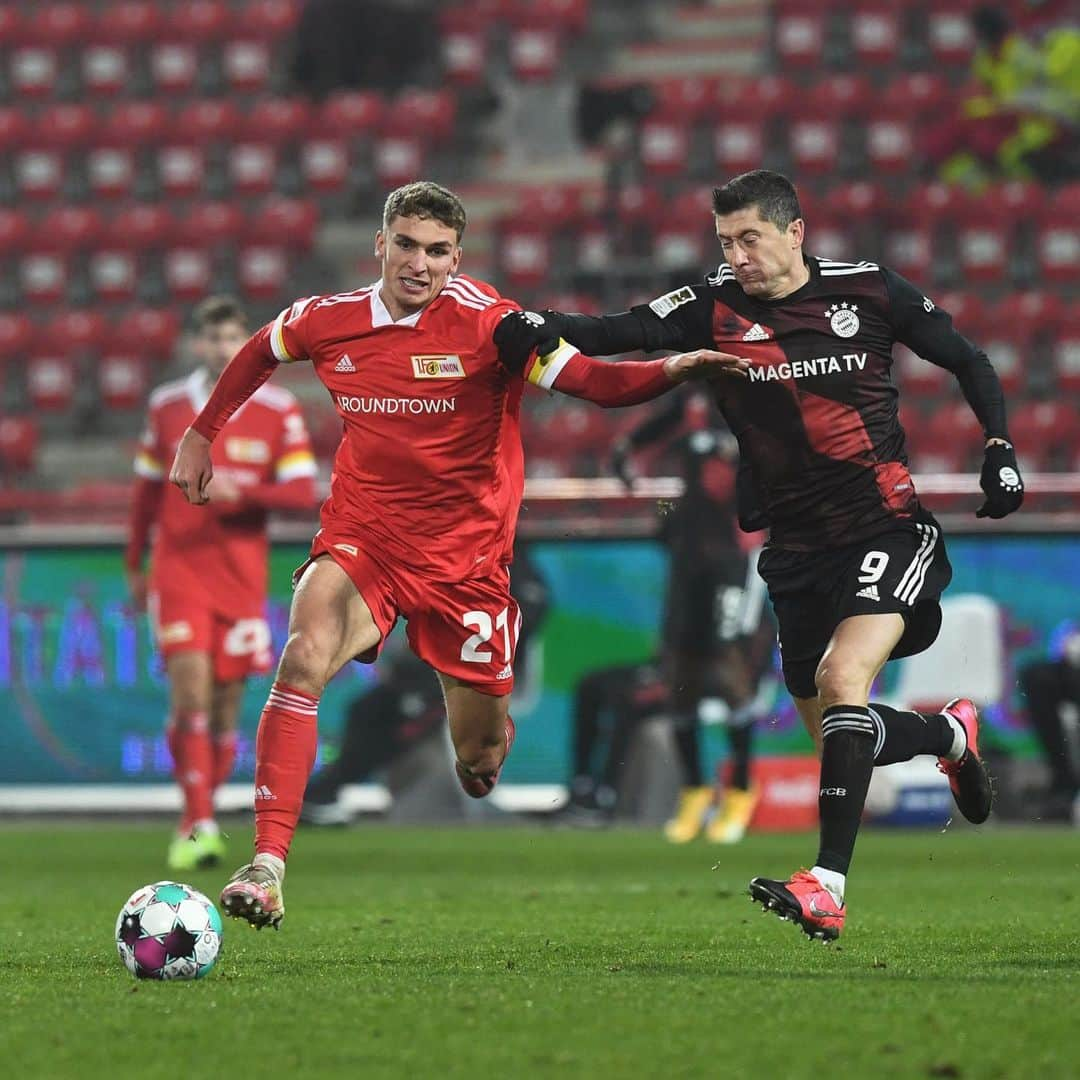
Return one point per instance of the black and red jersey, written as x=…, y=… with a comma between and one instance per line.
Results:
x=816, y=420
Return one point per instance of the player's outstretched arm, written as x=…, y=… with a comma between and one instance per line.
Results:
x=243, y=375
x=928, y=331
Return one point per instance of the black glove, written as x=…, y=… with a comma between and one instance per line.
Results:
x=1000, y=481
x=518, y=334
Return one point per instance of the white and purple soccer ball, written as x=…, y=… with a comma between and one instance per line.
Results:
x=168, y=931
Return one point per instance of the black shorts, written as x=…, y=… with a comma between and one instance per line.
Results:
x=904, y=570
x=713, y=605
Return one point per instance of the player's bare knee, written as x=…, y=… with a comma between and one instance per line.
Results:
x=840, y=680
x=305, y=662
x=481, y=758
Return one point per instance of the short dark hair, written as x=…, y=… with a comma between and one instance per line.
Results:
x=425, y=199
x=215, y=310
x=771, y=192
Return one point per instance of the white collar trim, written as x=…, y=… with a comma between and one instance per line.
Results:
x=380, y=315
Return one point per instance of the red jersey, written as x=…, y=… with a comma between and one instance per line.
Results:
x=430, y=467
x=223, y=553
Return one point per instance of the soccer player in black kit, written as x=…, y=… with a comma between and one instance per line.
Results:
x=854, y=564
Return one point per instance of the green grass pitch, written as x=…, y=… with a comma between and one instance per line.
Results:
x=520, y=952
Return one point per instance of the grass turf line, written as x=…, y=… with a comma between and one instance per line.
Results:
x=528, y=952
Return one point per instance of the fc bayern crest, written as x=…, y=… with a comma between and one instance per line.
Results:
x=843, y=319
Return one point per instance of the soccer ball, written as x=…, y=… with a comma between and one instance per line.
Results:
x=168, y=931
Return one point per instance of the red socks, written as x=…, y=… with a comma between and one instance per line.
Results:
x=284, y=757
x=188, y=736
x=224, y=757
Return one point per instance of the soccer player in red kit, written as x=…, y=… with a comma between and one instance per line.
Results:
x=206, y=590
x=426, y=369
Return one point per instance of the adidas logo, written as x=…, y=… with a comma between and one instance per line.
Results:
x=344, y=366
x=757, y=332
x=263, y=792
x=506, y=673
x=869, y=593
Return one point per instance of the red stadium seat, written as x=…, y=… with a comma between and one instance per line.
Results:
x=1010, y=349
x=891, y=144
x=33, y=71
x=968, y=311
x=130, y=22
x=1036, y=311
x=110, y=171
x=917, y=376
x=263, y=270
x=915, y=94
x=39, y=173
x=137, y=123
x=681, y=244
x=114, y=273
x=350, y=113
x=146, y=331
x=207, y=121
x=428, y=113
x=16, y=333
x=983, y=244
x=18, y=443
x=62, y=25
x=638, y=203
x=398, y=159
x=68, y=229
x=66, y=126
x=324, y=164
x=201, y=20
x=566, y=14
x=14, y=231
x=106, y=68
x=252, y=167
x=534, y=52
x=15, y=129
x=856, y=201
x=271, y=20
x=525, y=255
x=1014, y=200
x=50, y=382
x=280, y=120
x=174, y=66
x=799, y=35
x=950, y=33
x=840, y=95
x=814, y=143
x=210, y=224
x=464, y=51
x=593, y=249
x=122, y=380
x=953, y=423
x=758, y=99
x=247, y=65
x=1057, y=249
x=558, y=205
x=43, y=276
x=830, y=237
x=143, y=227
x=875, y=34
x=181, y=169
x=930, y=203
x=1038, y=425
x=688, y=97
x=75, y=331
x=664, y=146
x=188, y=272
x=288, y=223
x=739, y=145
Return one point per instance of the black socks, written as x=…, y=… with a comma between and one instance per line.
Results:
x=900, y=736
x=847, y=760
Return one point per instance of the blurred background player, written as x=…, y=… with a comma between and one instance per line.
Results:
x=714, y=645
x=855, y=564
x=426, y=369
x=206, y=587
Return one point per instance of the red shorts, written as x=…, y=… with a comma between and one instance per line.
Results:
x=465, y=629
x=183, y=623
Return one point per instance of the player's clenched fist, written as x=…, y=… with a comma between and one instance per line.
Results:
x=704, y=364
x=191, y=469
